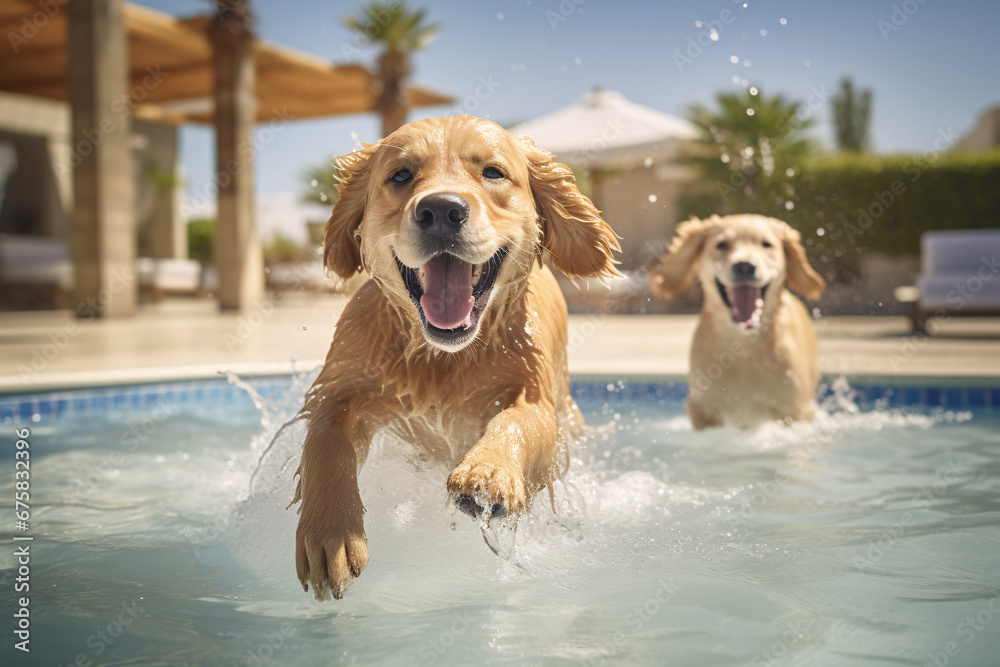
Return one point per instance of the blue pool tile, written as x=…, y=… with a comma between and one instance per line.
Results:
x=994, y=395
x=892, y=395
x=143, y=398
x=977, y=397
x=953, y=398
x=934, y=396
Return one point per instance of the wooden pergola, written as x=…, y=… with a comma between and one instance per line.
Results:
x=113, y=61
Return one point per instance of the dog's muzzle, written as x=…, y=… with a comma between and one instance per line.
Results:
x=450, y=293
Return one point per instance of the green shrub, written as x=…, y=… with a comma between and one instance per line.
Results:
x=848, y=205
x=281, y=249
x=201, y=240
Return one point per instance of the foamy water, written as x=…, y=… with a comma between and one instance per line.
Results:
x=867, y=537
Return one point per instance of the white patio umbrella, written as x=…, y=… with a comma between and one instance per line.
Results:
x=604, y=130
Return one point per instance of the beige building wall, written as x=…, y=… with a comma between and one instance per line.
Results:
x=154, y=148
x=642, y=205
x=985, y=135
x=48, y=120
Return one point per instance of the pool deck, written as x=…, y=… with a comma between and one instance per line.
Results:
x=188, y=339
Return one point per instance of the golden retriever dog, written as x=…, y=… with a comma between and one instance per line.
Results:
x=754, y=357
x=457, y=342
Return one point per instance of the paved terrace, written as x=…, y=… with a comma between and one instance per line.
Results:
x=186, y=339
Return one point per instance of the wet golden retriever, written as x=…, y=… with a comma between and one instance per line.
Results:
x=754, y=357
x=457, y=342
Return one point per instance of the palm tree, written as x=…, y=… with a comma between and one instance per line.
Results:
x=402, y=31
x=852, y=116
x=749, y=146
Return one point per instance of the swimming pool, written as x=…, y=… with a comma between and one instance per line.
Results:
x=869, y=537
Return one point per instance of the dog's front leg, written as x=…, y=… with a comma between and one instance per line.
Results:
x=516, y=457
x=330, y=544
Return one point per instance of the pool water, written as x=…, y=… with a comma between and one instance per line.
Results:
x=870, y=537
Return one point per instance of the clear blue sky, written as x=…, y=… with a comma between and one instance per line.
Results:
x=938, y=70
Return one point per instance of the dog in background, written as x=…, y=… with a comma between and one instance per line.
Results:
x=754, y=357
x=457, y=343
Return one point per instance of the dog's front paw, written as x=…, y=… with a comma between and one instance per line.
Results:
x=487, y=488
x=329, y=553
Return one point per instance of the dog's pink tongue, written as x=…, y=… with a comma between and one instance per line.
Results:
x=447, y=299
x=745, y=300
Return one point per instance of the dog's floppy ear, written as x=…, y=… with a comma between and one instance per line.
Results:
x=800, y=276
x=678, y=269
x=341, y=248
x=581, y=243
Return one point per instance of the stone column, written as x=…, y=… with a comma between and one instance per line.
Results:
x=162, y=229
x=238, y=254
x=102, y=231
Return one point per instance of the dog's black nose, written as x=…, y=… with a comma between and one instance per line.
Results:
x=442, y=213
x=744, y=270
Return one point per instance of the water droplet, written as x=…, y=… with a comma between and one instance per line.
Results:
x=500, y=16
x=734, y=59
x=652, y=199
x=314, y=182
x=783, y=21
x=749, y=112
x=763, y=33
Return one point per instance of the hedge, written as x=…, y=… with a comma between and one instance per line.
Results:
x=848, y=205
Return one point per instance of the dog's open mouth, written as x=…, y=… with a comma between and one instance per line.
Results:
x=745, y=303
x=450, y=293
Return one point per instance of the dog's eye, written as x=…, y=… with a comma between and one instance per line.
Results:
x=492, y=172
x=401, y=176
x=766, y=244
x=722, y=245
